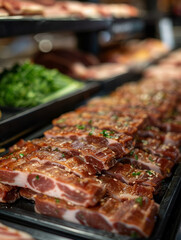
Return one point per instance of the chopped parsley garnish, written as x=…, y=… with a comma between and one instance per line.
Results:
x=57, y=200
x=21, y=155
x=90, y=133
x=136, y=173
x=149, y=172
x=132, y=152
x=139, y=200
x=63, y=155
x=37, y=177
x=136, y=156
x=81, y=127
x=90, y=122
x=106, y=133
x=150, y=158
x=56, y=149
x=61, y=120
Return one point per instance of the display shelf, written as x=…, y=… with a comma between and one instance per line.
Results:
x=18, y=25
x=14, y=26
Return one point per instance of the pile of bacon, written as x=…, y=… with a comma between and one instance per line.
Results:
x=65, y=9
x=101, y=164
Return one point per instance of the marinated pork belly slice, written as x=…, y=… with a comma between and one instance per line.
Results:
x=51, y=180
x=121, y=124
x=119, y=143
x=144, y=160
x=128, y=174
x=122, y=191
x=71, y=161
x=93, y=151
x=7, y=233
x=8, y=194
x=169, y=138
x=27, y=193
x=126, y=217
x=17, y=7
x=155, y=147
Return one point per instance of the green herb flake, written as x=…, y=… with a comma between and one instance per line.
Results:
x=149, y=172
x=63, y=155
x=81, y=127
x=21, y=155
x=61, y=120
x=57, y=200
x=37, y=177
x=56, y=149
x=139, y=200
x=131, y=153
x=136, y=173
x=136, y=156
x=106, y=133
x=90, y=133
x=150, y=158
x=90, y=122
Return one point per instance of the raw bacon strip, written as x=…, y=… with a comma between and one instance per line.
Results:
x=7, y=233
x=155, y=147
x=128, y=174
x=8, y=194
x=93, y=150
x=50, y=180
x=126, y=217
x=121, y=191
x=141, y=159
x=121, y=144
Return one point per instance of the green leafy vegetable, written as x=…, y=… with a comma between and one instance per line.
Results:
x=29, y=84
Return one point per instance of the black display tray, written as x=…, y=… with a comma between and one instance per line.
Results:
x=19, y=25
x=15, y=124
x=35, y=233
x=22, y=212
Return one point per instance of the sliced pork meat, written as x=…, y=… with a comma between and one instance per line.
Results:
x=121, y=191
x=119, y=143
x=145, y=160
x=155, y=147
x=8, y=194
x=50, y=179
x=8, y=233
x=92, y=150
x=120, y=124
x=17, y=7
x=167, y=138
x=136, y=215
x=128, y=174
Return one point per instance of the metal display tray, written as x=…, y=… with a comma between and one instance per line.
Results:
x=22, y=213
